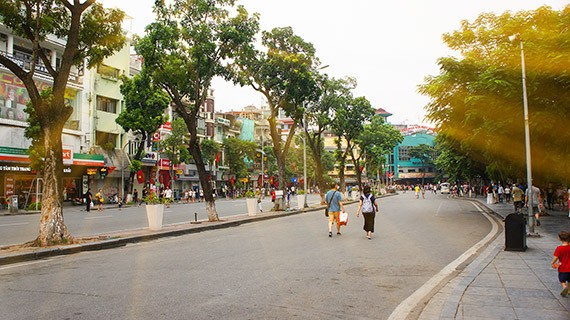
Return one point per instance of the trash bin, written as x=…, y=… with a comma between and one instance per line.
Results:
x=13, y=204
x=515, y=232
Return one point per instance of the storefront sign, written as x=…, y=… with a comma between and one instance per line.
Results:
x=15, y=168
x=67, y=155
x=67, y=170
x=8, y=185
x=150, y=157
x=91, y=171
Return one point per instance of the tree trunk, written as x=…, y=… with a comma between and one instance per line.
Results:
x=52, y=226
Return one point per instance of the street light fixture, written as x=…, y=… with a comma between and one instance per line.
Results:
x=513, y=38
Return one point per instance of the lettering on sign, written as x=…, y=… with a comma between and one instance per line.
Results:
x=15, y=168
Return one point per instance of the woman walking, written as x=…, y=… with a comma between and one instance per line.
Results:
x=368, y=206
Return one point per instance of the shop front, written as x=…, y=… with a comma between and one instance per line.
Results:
x=18, y=179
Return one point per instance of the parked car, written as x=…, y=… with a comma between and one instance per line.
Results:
x=444, y=187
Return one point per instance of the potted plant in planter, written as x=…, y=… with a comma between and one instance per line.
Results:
x=251, y=202
x=301, y=198
x=154, y=210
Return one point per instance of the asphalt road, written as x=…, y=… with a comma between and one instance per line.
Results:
x=285, y=268
x=16, y=229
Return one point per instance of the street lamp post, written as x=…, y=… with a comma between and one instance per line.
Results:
x=526, y=137
x=305, y=161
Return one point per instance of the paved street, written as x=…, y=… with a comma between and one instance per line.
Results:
x=15, y=229
x=277, y=269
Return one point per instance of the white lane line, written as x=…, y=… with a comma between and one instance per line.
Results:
x=14, y=224
x=17, y=265
x=407, y=306
x=97, y=217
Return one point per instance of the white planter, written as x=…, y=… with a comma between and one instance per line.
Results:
x=490, y=199
x=251, y=206
x=154, y=214
x=301, y=201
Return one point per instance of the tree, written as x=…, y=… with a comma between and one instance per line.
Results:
x=319, y=117
x=174, y=146
x=424, y=153
x=92, y=33
x=348, y=125
x=377, y=139
x=476, y=100
x=142, y=114
x=185, y=48
x=236, y=151
x=285, y=75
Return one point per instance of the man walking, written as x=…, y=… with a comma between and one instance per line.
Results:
x=88, y=199
x=334, y=202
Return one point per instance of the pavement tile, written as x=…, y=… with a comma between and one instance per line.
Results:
x=526, y=292
x=485, y=291
x=521, y=281
x=536, y=303
x=487, y=280
x=540, y=314
x=514, y=271
x=486, y=300
x=488, y=312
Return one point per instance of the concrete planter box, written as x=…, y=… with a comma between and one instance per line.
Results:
x=251, y=206
x=154, y=214
x=301, y=201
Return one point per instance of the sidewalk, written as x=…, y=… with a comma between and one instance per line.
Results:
x=501, y=284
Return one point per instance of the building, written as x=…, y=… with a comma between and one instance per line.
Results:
x=16, y=176
x=402, y=168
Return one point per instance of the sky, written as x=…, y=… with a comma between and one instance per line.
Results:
x=389, y=47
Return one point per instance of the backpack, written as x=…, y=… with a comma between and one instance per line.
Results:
x=367, y=204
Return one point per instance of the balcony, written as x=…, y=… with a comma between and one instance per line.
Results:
x=24, y=61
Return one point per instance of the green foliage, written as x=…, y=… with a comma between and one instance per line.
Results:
x=152, y=198
x=176, y=143
x=250, y=194
x=210, y=149
x=476, y=100
x=236, y=152
x=32, y=206
x=377, y=140
x=136, y=165
x=145, y=103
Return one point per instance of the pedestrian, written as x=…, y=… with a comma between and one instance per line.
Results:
x=561, y=261
x=144, y=194
x=507, y=194
x=368, y=206
x=136, y=196
x=550, y=192
x=417, y=190
x=99, y=198
x=335, y=205
x=536, y=199
x=518, y=196
x=168, y=196
x=88, y=199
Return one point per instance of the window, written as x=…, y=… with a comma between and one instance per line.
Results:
x=403, y=153
x=107, y=141
x=107, y=104
x=108, y=72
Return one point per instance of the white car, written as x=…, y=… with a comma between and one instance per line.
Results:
x=444, y=187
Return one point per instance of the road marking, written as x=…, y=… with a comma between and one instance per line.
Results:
x=14, y=224
x=97, y=217
x=22, y=264
x=407, y=306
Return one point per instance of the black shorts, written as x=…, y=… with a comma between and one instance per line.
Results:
x=518, y=204
x=563, y=276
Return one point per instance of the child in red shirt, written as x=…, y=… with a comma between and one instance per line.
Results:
x=561, y=261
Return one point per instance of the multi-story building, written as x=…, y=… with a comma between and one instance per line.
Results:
x=16, y=176
x=402, y=168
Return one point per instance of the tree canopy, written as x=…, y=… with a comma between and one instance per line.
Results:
x=476, y=100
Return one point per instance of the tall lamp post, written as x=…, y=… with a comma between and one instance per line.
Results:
x=305, y=160
x=526, y=137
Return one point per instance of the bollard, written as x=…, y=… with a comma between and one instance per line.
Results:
x=195, y=217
